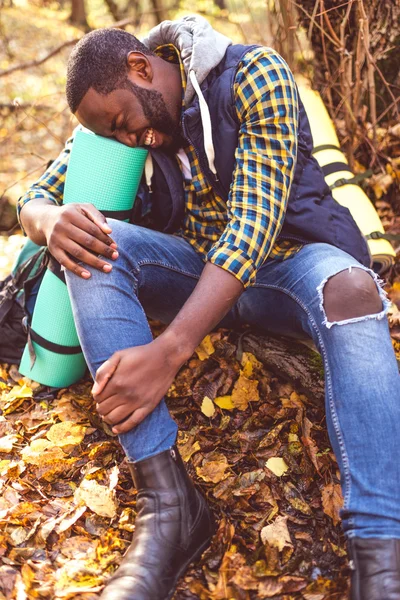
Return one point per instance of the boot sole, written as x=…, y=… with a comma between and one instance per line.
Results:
x=193, y=558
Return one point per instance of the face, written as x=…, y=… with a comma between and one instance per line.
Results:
x=132, y=117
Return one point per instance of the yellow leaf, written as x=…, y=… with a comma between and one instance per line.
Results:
x=14, y=398
x=188, y=449
x=207, y=407
x=277, y=466
x=98, y=498
x=249, y=363
x=277, y=534
x=41, y=451
x=213, y=470
x=205, y=349
x=244, y=391
x=224, y=402
x=18, y=391
x=66, y=434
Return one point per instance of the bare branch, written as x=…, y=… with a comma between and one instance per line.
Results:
x=36, y=63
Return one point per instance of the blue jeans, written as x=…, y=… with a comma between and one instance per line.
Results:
x=154, y=275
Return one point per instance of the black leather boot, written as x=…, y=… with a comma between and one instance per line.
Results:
x=173, y=527
x=375, y=569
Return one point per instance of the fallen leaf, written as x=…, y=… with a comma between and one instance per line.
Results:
x=99, y=498
x=213, y=470
x=205, y=349
x=277, y=465
x=332, y=501
x=188, y=449
x=66, y=434
x=277, y=534
x=207, y=407
x=310, y=444
x=244, y=391
x=7, y=442
x=41, y=452
x=224, y=402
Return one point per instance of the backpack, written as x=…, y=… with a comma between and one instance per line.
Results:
x=17, y=298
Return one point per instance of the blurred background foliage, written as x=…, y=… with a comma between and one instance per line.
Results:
x=350, y=49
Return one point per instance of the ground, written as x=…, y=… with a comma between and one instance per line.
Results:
x=253, y=438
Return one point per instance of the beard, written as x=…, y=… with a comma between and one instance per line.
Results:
x=158, y=115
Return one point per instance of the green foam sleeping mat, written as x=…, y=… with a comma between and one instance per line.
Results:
x=107, y=174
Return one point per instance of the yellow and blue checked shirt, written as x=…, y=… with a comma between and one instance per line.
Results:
x=237, y=235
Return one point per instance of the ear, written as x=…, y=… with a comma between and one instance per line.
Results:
x=139, y=67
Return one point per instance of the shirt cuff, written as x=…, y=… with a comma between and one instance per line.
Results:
x=27, y=198
x=235, y=261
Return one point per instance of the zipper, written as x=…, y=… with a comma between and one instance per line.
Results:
x=295, y=238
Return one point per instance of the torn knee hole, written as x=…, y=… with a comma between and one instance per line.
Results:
x=351, y=294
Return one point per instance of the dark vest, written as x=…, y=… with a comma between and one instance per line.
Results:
x=312, y=214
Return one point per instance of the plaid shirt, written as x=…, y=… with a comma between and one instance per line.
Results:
x=237, y=235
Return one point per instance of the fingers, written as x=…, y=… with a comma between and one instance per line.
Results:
x=89, y=239
x=136, y=417
x=104, y=374
x=77, y=234
x=84, y=256
x=116, y=414
x=96, y=217
x=69, y=264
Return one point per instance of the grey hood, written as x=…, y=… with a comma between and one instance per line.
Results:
x=200, y=46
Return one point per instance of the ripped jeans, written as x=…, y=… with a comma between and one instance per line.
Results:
x=154, y=275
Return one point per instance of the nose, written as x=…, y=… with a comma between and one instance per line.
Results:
x=129, y=139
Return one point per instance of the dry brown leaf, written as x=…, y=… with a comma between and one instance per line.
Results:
x=213, y=470
x=309, y=443
x=244, y=391
x=277, y=534
x=332, y=501
x=188, y=449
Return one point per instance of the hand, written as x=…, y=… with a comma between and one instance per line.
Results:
x=132, y=382
x=79, y=231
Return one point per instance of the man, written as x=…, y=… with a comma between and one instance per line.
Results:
x=245, y=230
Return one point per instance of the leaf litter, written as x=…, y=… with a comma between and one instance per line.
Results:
x=256, y=447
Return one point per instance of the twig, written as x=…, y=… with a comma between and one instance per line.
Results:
x=312, y=20
x=370, y=69
x=21, y=179
x=36, y=63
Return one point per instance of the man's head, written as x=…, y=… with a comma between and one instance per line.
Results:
x=118, y=88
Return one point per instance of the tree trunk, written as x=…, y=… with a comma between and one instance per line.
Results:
x=160, y=12
x=78, y=14
x=290, y=360
x=221, y=4
x=114, y=10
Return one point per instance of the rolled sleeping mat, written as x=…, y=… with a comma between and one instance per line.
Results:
x=107, y=174
x=341, y=180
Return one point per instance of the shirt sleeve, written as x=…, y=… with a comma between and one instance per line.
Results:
x=51, y=184
x=266, y=104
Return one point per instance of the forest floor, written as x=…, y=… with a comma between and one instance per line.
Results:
x=255, y=444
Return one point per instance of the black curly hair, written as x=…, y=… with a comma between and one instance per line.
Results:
x=99, y=61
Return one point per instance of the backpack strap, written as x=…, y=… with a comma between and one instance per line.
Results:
x=14, y=283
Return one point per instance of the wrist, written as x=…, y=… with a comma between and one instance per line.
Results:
x=178, y=350
x=45, y=221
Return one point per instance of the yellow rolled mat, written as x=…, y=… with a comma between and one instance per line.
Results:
x=351, y=196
